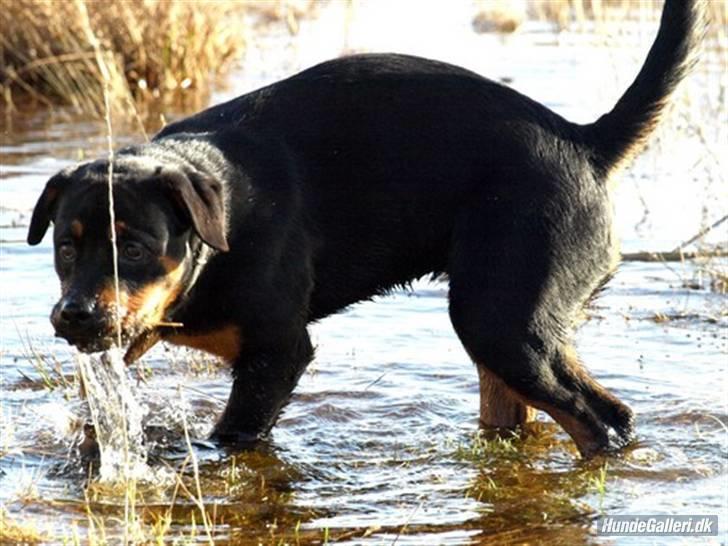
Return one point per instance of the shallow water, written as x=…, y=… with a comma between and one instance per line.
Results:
x=377, y=445
x=116, y=417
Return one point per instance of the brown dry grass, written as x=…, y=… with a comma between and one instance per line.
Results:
x=158, y=52
x=18, y=531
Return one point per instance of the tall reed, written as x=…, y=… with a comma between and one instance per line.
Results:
x=158, y=52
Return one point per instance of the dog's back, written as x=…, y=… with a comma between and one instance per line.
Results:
x=418, y=140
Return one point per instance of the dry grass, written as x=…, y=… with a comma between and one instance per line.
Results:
x=17, y=531
x=158, y=52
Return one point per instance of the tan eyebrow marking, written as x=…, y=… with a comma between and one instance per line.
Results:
x=77, y=229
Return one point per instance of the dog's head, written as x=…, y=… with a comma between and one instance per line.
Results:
x=161, y=212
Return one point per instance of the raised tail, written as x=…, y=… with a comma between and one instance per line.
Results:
x=620, y=134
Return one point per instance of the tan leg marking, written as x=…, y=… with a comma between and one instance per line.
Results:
x=499, y=405
x=584, y=438
x=587, y=441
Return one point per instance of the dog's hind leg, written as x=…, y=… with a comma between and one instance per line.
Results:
x=500, y=407
x=511, y=311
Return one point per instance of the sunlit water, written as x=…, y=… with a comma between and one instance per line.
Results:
x=377, y=445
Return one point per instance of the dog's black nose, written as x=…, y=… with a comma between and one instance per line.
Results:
x=81, y=321
x=75, y=313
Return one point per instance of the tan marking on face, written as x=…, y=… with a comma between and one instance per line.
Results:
x=77, y=229
x=224, y=342
x=107, y=297
x=149, y=304
x=119, y=227
x=168, y=264
x=146, y=307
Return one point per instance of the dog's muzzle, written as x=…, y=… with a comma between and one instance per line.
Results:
x=82, y=323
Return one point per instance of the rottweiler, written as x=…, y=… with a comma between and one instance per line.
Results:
x=242, y=224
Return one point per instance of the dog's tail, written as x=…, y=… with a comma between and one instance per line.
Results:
x=620, y=134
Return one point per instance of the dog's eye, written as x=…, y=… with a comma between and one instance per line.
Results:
x=67, y=253
x=133, y=252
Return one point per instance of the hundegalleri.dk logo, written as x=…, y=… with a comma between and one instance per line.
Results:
x=658, y=525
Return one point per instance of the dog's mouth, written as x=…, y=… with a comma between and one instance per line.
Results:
x=135, y=323
x=90, y=345
x=136, y=343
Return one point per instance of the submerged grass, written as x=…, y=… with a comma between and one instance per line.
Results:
x=49, y=370
x=598, y=483
x=158, y=53
x=481, y=446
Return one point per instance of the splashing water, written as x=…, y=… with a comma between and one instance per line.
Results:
x=117, y=416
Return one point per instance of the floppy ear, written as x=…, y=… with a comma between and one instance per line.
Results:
x=45, y=207
x=201, y=198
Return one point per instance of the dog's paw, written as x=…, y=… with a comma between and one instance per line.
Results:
x=241, y=440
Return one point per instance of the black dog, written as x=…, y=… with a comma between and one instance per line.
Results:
x=240, y=225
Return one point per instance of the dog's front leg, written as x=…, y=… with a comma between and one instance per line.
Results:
x=263, y=380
